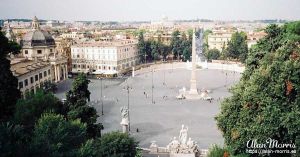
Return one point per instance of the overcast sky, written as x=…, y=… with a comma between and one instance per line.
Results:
x=145, y=10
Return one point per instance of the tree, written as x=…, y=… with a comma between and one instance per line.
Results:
x=186, y=45
x=266, y=102
x=205, y=47
x=116, y=144
x=49, y=86
x=88, y=115
x=55, y=136
x=9, y=92
x=213, y=54
x=11, y=140
x=79, y=89
x=29, y=110
x=175, y=43
x=88, y=149
x=237, y=46
x=186, y=49
x=154, y=50
x=141, y=46
x=78, y=109
x=165, y=51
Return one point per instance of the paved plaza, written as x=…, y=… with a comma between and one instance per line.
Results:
x=161, y=119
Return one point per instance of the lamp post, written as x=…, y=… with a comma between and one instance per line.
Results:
x=146, y=58
x=152, y=87
x=164, y=74
x=101, y=97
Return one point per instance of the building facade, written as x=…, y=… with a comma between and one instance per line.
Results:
x=104, y=57
x=218, y=40
x=38, y=45
x=31, y=74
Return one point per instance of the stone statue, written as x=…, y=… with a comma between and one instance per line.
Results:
x=183, y=135
x=124, y=113
x=182, y=145
x=173, y=147
x=192, y=146
x=125, y=119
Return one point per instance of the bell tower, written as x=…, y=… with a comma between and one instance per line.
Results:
x=35, y=25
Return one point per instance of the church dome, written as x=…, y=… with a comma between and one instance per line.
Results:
x=37, y=37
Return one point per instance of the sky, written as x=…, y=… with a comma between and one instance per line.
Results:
x=150, y=10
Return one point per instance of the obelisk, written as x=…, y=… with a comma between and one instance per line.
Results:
x=193, y=88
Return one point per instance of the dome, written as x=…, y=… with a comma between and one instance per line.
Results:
x=37, y=38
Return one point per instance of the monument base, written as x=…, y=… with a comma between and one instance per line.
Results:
x=192, y=96
x=181, y=155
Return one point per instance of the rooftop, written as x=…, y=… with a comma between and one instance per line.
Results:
x=106, y=43
x=23, y=66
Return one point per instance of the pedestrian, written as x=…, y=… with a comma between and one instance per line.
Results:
x=137, y=129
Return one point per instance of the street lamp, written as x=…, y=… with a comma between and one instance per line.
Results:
x=146, y=58
x=152, y=87
x=101, y=97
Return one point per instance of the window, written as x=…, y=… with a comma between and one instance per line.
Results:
x=45, y=73
x=26, y=52
x=50, y=50
x=49, y=72
x=20, y=85
x=39, y=51
x=31, y=80
x=78, y=56
x=36, y=77
x=26, y=82
x=40, y=76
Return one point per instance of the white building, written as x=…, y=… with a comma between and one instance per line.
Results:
x=110, y=57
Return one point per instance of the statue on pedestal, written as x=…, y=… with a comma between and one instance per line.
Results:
x=125, y=119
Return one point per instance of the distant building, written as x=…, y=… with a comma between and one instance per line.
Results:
x=253, y=37
x=63, y=47
x=9, y=34
x=220, y=37
x=1, y=23
x=109, y=58
x=53, y=23
x=72, y=35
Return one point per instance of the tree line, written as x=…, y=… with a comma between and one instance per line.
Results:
x=180, y=47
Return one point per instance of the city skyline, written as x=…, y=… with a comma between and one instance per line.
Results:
x=143, y=10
